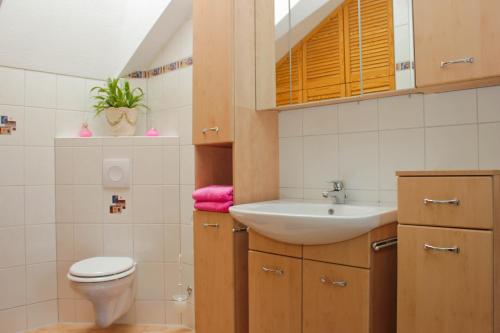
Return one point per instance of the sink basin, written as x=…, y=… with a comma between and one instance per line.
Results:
x=311, y=223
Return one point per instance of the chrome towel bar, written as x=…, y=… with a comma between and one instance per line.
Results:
x=379, y=245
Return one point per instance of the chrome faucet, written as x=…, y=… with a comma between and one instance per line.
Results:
x=337, y=192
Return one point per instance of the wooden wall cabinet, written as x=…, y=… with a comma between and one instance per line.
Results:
x=448, y=252
x=456, y=30
x=324, y=288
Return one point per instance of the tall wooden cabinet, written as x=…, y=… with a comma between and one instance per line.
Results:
x=448, y=31
x=448, y=252
x=234, y=145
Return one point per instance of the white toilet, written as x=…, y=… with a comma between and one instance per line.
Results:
x=108, y=282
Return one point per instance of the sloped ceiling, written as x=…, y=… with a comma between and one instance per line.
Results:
x=87, y=38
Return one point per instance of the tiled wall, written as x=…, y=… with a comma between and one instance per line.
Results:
x=43, y=105
x=148, y=230
x=364, y=143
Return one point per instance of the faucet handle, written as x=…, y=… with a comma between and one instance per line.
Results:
x=337, y=185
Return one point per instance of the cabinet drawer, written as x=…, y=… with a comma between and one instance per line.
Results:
x=445, y=280
x=275, y=293
x=336, y=298
x=261, y=243
x=463, y=202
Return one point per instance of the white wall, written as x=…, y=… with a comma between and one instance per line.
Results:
x=403, y=42
x=364, y=143
x=44, y=106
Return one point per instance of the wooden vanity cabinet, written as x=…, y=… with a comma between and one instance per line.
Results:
x=221, y=274
x=456, y=30
x=448, y=261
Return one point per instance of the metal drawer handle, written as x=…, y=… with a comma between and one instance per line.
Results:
x=276, y=271
x=329, y=282
x=466, y=60
x=455, y=202
x=211, y=129
x=210, y=225
x=454, y=249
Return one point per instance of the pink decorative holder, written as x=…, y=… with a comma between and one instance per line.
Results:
x=152, y=132
x=85, y=132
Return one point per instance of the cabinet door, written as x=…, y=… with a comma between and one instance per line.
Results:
x=275, y=290
x=213, y=71
x=214, y=273
x=454, y=30
x=443, y=290
x=336, y=298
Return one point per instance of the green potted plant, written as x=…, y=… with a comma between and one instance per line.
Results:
x=120, y=104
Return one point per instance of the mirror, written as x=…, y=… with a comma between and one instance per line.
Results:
x=320, y=51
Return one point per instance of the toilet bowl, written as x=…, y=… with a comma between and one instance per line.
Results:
x=107, y=282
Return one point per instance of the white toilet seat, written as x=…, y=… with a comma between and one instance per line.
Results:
x=101, y=269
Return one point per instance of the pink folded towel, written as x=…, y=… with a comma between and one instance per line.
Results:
x=214, y=193
x=218, y=207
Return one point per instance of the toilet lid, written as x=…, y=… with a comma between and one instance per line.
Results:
x=101, y=266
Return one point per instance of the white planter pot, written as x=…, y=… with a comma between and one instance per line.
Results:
x=120, y=121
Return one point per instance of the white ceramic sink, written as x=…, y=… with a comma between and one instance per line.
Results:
x=311, y=223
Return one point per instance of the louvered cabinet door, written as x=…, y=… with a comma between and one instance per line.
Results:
x=289, y=92
x=377, y=35
x=323, y=60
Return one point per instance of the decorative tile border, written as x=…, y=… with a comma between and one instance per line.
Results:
x=402, y=66
x=186, y=62
x=118, y=204
x=7, y=125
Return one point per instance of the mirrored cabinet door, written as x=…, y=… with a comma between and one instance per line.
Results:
x=327, y=49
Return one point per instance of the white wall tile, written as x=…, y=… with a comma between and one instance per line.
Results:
x=450, y=108
x=42, y=314
x=64, y=204
x=41, y=282
x=185, y=86
x=170, y=83
x=172, y=313
x=171, y=165
x=358, y=116
x=359, y=160
x=150, y=281
x=69, y=123
x=40, y=169
x=150, y=312
x=88, y=241
x=71, y=93
x=87, y=165
x=187, y=165
x=64, y=289
x=362, y=197
x=149, y=243
x=187, y=244
x=489, y=146
x=87, y=204
x=40, y=126
x=11, y=86
x=166, y=121
x=188, y=316
x=64, y=165
x=186, y=125
x=12, y=205
x=16, y=138
x=320, y=160
x=148, y=204
x=321, y=120
x=171, y=203
x=488, y=102
x=172, y=242
x=13, y=320
x=40, y=243
x=41, y=89
x=66, y=309
x=401, y=112
x=148, y=167
x=291, y=193
x=84, y=311
x=40, y=204
x=394, y=156
x=12, y=166
x=291, y=162
x=118, y=240
x=290, y=123
x=12, y=287
x=12, y=247
x=452, y=147
x=65, y=242
x=187, y=204
x=402, y=49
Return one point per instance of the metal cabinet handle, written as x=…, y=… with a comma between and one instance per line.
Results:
x=211, y=129
x=466, y=60
x=210, y=225
x=455, y=202
x=276, y=271
x=454, y=249
x=329, y=282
